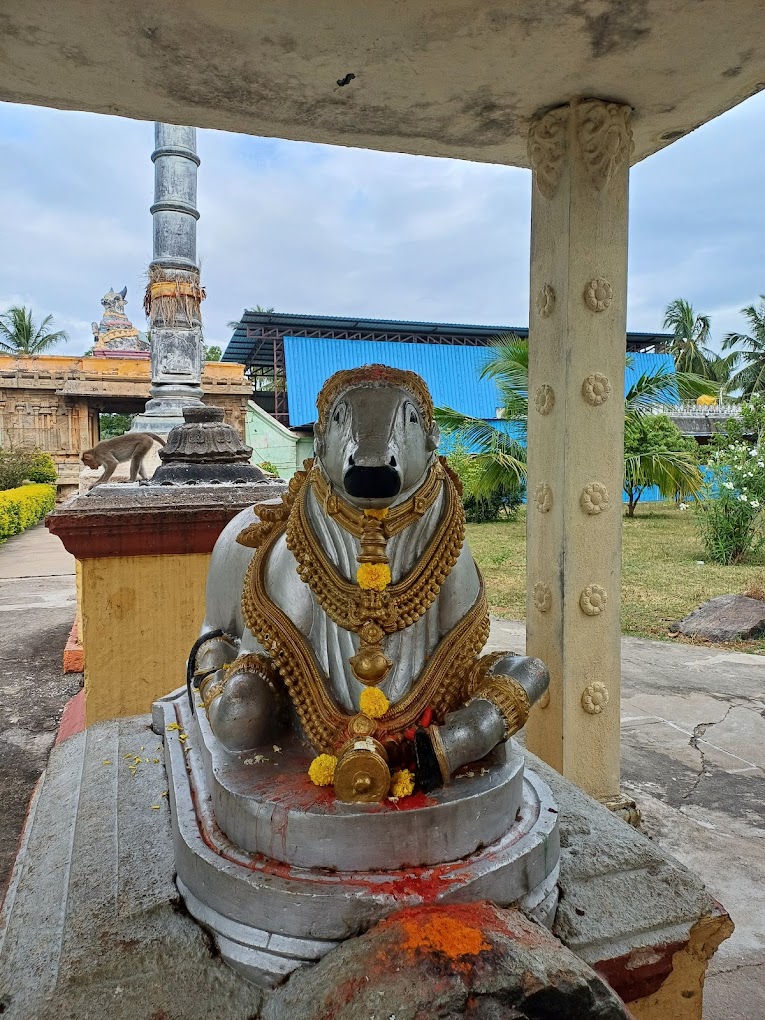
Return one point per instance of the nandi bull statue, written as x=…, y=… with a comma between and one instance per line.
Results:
x=353, y=610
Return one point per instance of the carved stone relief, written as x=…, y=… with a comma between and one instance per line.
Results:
x=593, y=600
x=596, y=389
x=594, y=498
x=543, y=497
x=546, y=300
x=598, y=294
x=604, y=137
x=544, y=399
x=542, y=597
x=547, y=147
x=595, y=697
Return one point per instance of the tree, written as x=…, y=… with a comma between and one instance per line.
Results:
x=657, y=454
x=502, y=459
x=691, y=336
x=213, y=353
x=19, y=335
x=259, y=309
x=110, y=425
x=750, y=379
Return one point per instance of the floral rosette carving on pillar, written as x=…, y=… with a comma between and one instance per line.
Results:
x=544, y=399
x=596, y=389
x=595, y=697
x=543, y=498
x=595, y=498
x=604, y=135
x=542, y=597
x=593, y=600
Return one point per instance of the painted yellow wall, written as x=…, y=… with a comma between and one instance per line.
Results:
x=140, y=617
x=681, y=995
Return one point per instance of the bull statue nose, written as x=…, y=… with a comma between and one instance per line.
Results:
x=372, y=482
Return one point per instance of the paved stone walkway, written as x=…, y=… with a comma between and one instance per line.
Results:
x=37, y=605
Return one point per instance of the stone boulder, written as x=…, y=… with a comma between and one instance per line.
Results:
x=463, y=960
x=724, y=618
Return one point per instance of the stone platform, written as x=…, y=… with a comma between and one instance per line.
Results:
x=297, y=872
x=93, y=926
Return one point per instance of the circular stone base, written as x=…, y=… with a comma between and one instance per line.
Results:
x=264, y=802
x=269, y=917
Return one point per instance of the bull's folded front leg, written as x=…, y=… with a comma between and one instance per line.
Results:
x=502, y=691
x=245, y=703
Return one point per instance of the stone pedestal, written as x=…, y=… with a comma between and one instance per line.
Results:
x=281, y=871
x=580, y=155
x=143, y=556
x=92, y=925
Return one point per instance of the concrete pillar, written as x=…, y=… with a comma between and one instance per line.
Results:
x=174, y=291
x=580, y=159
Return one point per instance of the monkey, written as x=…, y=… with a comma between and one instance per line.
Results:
x=132, y=446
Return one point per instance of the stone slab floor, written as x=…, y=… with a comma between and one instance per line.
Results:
x=693, y=749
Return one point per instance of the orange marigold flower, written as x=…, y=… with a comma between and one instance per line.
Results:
x=402, y=784
x=321, y=771
x=373, y=576
x=373, y=703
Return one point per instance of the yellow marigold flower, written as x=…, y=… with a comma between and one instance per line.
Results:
x=379, y=515
x=373, y=702
x=321, y=771
x=402, y=784
x=373, y=576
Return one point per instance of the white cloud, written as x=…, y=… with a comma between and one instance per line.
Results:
x=343, y=231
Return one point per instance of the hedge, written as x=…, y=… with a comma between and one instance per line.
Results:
x=22, y=507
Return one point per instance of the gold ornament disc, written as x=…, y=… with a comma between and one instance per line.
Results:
x=362, y=775
x=370, y=665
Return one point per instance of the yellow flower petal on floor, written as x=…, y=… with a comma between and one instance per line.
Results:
x=373, y=703
x=373, y=576
x=321, y=771
x=402, y=784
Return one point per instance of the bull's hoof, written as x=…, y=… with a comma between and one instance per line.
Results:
x=428, y=770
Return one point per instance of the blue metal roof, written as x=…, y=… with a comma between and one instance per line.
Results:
x=452, y=373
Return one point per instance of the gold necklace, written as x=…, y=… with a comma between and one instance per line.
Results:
x=440, y=686
x=369, y=612
x=396, y=519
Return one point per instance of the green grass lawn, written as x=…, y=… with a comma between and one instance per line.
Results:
x=662, y=578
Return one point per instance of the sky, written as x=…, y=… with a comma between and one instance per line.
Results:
x=338, y=231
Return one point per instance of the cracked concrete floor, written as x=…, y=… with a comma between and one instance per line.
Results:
x=693, y=757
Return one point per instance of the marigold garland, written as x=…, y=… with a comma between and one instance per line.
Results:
x=373, y=576
x=373, y=703
x=402, y=784
x=321, y=771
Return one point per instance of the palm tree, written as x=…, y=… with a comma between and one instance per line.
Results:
x=20, y=336
x=502, y=458
x=751, y=377
x=691, y=336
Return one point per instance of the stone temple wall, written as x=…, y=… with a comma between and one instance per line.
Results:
x=53, y=402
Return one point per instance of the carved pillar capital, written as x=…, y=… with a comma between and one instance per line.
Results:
x=547, y=146
x=602, y=139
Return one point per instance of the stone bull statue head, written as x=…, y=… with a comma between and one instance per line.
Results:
x=361, y=616
x=376, y=443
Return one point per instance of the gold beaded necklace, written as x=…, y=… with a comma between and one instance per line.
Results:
x=374, y=611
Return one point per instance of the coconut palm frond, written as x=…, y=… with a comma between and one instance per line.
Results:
x=671, y=472
x=20, y=336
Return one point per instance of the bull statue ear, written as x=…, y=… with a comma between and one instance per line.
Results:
x=434, y=437
x=318, y=441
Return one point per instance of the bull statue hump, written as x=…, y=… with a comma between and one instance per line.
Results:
x=352, y=612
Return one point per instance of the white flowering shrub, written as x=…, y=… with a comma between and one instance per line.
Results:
x=730, y=513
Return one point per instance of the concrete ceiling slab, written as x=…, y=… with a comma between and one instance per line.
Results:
x=456, y=78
